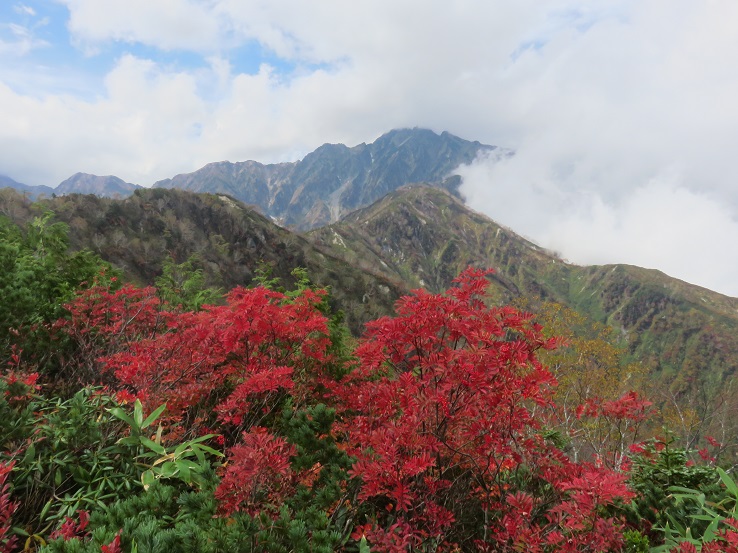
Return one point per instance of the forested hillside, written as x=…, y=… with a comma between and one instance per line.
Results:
x=229, y=408
x=229, y=242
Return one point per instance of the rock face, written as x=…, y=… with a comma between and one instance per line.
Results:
x=106, y=187
x=335, y=179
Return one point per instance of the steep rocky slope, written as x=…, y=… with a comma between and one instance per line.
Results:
x=335, y=179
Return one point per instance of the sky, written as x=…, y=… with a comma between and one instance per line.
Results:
x=623, y=115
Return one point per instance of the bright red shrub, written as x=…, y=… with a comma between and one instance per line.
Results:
x=444, y=416
x=444, y=412
x=258, y=474
x=7, y=508
x=225, y=358
x=103, y=322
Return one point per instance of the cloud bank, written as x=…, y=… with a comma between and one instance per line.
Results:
x=621, y=113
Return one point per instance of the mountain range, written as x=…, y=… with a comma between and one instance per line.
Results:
x=317, y=190
x=31, y=191
x=362, y=226
x=79, y=183
x=335, y=179
x=107, y=187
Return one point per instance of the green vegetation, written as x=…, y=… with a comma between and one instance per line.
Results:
x=183, y=284
x=219, y=241
x=182, y=419
x=38, y=274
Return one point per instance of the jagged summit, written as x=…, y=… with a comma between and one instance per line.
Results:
x=319, y=189
x=336, y=179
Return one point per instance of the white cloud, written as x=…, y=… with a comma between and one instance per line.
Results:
x=167, y=24
x=24, y=10
x=603, y=117
x=659, y=223
x=602, y=100
x=20, y=42
x=143, y=127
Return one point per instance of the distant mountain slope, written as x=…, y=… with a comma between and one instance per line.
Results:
x=335, y=179
x=32, y=192
x=426, y=237
x=686, y=334
x=107, y=186
x=231, y=241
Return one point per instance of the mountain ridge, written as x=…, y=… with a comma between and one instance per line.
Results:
x=686, y=335
x=32, y=191
x=108, y=186
x=231, y=242
x=318, y=189
x=335, y=179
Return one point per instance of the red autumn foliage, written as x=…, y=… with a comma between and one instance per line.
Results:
x=19, y=387
x=444, y=411
x=618, y=424
x=258, y=473
x=443, y=414
x=224, y=358
x=113, y=547
x=70, y=529
x=630, y=406
x=7, y=508
x=102, y=322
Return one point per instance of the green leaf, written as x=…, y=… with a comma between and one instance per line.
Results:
x=138, y=414
x=147, y=478
x=45, y=510
x=122, y=415
x=184, y=471
x=729, y=482
x=207, y=449
x=167, y=469
x=30, y=454
x=180, y=449
x=154, y=415
x=199, y=454
x=129, y=440
x=202, y=439
x=153, y=446
x=20, y=531
x=711, y=530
